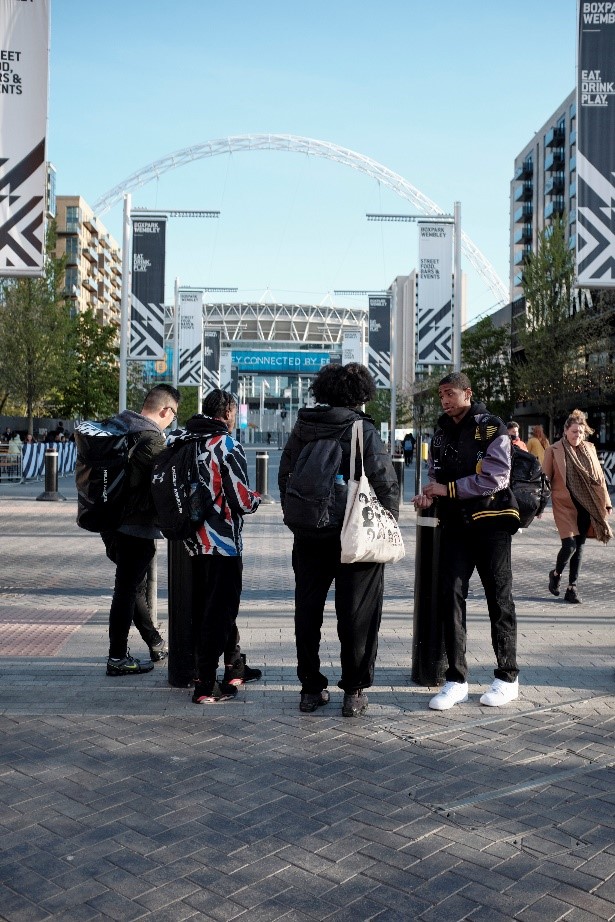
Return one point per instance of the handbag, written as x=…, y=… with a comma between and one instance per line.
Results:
x=370, y=533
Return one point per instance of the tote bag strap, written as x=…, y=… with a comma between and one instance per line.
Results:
x=357, y=436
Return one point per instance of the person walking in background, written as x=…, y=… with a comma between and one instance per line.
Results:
x=217, y=546
x=132, y=546
x=580, y=499
x=409, y=442
x=339, y=391
x=513, y=431
x=469, y=473
x=538, y=443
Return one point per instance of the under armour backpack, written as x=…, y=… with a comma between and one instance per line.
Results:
x=314, y=503
x=529, y=484
x=180, y=497
x=103, y=451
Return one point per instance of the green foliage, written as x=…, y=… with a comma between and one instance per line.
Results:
x=34, y=329
x=485, y=354
x=93, y=384
x=556, y=338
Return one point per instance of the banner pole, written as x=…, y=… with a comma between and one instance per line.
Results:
x=176, y=335
x=125, y=303
x=457, y=290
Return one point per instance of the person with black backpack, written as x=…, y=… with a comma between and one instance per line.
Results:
x=470, y=478
x=223, y=495
x=313, y=477
x=131, y=545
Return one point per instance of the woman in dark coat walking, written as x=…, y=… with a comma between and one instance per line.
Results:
x=339, y=391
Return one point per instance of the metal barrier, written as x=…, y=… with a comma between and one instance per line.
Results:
x=33, y=459
x=10, y=468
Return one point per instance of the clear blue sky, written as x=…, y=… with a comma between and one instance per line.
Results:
x=444, y=93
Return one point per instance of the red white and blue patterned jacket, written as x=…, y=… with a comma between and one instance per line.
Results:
x=223, y=471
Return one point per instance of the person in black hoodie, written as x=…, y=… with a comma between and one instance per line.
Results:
x=132, y=546
x=469, y=475
x=339, y=391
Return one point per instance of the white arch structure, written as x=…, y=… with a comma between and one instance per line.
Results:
x=313, y=148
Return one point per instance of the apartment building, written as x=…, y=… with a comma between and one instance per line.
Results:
x=93, y=259
x=543, y=186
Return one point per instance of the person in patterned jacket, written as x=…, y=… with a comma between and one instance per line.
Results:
x=216, y=550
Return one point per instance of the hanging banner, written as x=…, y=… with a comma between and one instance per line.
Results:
x=352, y=347
x=211, y=360
x=24, y=65
x=226, y=369
x=147, y=304
x=190, y=337
x=596, y=146
x=379, y=348
x=434, y=322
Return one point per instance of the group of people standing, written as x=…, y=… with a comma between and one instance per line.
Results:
x=468, y=477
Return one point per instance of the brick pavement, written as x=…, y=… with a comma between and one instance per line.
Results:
x=120, y=799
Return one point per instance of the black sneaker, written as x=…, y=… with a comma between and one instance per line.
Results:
x=214, y=691
x=310, y=702
x=554, y=583
x=354, y=704
x=571, y=596
x=158, y=650
x=128, y=665
x=239, y=673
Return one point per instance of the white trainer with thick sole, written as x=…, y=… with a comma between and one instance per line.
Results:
x=500, y=693
x=450, y=694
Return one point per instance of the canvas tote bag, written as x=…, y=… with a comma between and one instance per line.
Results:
x=370, y=533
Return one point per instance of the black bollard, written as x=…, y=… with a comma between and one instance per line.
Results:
x=181, y=649
x=428, y=656
x=51, y=494
x=398, y=464
x=417, y=461
x=262, y=477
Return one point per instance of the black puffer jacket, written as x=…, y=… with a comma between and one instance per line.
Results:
x=324, y=422
x=140, y=516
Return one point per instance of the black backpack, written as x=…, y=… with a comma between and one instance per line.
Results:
x=529, y=484
x=314, y=503
x=180, y=497
x=103, y=451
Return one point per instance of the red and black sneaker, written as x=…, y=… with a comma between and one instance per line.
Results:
x=239, y=673
x=213, y=692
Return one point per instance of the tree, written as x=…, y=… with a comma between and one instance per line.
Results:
x=93, y=381
x=34, y=328
x=485, y=355
x=556, y=337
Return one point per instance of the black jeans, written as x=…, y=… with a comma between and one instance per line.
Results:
x=132, y=557
x=216, y=594
x=461, y=551
x=572, y=548
x=358, y=607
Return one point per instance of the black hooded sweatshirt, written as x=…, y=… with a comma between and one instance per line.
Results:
x=325, y=422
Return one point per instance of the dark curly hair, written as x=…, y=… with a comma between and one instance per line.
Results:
x=218, y=402
x=343, y=385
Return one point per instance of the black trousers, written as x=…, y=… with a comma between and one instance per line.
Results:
x=216, y=594
x=132, y=557
x=572, y=548
x=462, y=550
x=358, y=607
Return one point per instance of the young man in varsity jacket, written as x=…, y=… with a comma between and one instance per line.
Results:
x=469, y=475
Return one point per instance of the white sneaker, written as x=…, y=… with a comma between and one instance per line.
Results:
x=450, y=694
x=500, y=693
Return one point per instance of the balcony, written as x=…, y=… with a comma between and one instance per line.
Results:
x=90, y=254
x=554, y=207
x=555, y=184
x=572, y=189
x=524, y=192
x=72, y=255
x=72, y=284
x=90, y=284
x=523, y=214
x=555, y=160
x=91, y=224
x=518, y=280
x=554, y=137
x=525, y=171
x=522, y=256
x=523, y=234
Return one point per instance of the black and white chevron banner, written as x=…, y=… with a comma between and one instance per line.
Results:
x=190, y=337
x=24, y=34
x=146, y=331
x=211, y=360
x=595, y=147
x=434, y=336
x=190, y=365
x=379, y=339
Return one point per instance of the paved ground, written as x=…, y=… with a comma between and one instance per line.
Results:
x=120, y=799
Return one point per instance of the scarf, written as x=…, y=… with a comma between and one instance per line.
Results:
x=586, y=487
